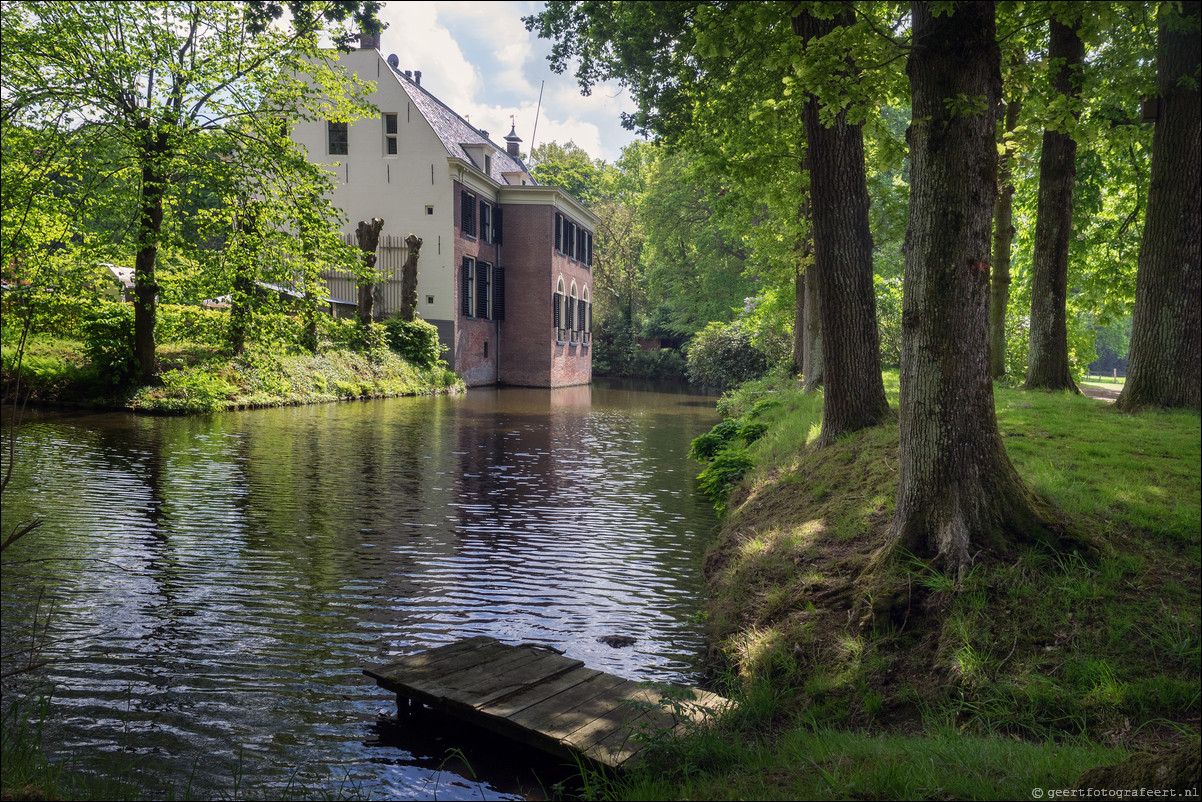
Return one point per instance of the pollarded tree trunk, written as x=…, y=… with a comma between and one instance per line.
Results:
x=1003, y=239
x=409, y=277
x=368, y=236
x=853, y=391
x=1047, y=359
x=153, y=152
x=1163, y=368
x=957, y=491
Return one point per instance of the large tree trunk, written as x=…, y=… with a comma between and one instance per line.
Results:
x=368, y=236
x=957, y=491
x=153, y=153
x=853, y=390
x=1003, y=239
x=1163, y=367
x=409, y=277
x=245, y=272
x=1047, y=359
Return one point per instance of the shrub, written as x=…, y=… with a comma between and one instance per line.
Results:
x=109, y=342
x=729, y=466
x=192, y=324
x=707, y=446
x=725, y=354
x=415, y=340
x=195, y=391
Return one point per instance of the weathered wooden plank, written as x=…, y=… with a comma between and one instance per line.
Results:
x=605, y=713
x=430, y=657
x=474, y=685
x=566, y=711
x=417, y=672
x=532, y=695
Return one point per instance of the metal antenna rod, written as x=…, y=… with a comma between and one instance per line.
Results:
x=536, y=111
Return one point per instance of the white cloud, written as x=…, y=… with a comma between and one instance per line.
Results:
x=479, y=59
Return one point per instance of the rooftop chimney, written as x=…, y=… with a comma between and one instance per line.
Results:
x=417, y=77
x=511, y=141
x=369, y=41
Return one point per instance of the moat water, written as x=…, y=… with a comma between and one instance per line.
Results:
x=211, y=587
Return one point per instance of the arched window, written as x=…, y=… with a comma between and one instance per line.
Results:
x=573, y=317
x=557, y=311
x=586, y=318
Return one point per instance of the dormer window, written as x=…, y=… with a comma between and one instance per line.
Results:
x=390, y=135
x=487, y=165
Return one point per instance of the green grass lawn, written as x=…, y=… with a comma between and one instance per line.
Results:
x=1040, y=664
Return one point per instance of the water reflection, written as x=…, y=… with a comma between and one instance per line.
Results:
x=224, y=579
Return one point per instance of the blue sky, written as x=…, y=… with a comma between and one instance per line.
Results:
x=478, y=58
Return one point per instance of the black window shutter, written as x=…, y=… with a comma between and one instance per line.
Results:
x=468, y=214
x=571, y=313
x=571, y=232
x=465, y=287
x=556, y=303
x=498, y=293
x=496, y=226
x=481, y=289
x=582, y=312
x=558, y=233
x=485, y=222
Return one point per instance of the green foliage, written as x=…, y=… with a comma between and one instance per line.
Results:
x=109, y=342
x=726, y=469
x=705, y=447
x=723, y=355
x=415, y=340
x=192, y=324
x=568, y=167
x=616, y=352
x=193, y=391
x=889, y=318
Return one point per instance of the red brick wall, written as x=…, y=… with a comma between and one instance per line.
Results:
x=472, y=333
x=524, y=342
x=529, y=355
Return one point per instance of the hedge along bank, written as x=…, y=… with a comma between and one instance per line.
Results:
x=83, y=357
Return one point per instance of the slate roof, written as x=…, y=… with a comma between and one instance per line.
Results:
x=454, y=131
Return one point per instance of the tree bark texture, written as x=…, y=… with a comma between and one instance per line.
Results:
x=804, y=249
x=153, y=152
x=853, y=390
x=799, y=307
x=1003, y=240
x=812, y=332
x=368, y=236
x=1047, y=357
x=409, y=277
x=1163, y=367
x=957, y=491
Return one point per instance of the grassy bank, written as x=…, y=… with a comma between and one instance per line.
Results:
x=1038, y=666
x=197, y=376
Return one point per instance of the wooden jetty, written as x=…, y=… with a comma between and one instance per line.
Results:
x=534, y=694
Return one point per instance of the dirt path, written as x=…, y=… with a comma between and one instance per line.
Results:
x=1106, y=394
